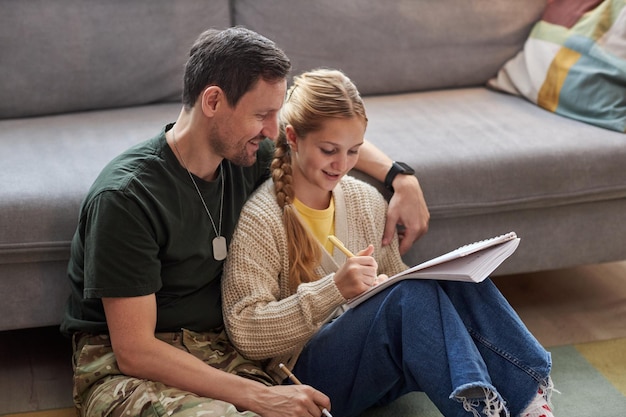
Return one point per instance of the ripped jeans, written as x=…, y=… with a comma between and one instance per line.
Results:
x=460, y=343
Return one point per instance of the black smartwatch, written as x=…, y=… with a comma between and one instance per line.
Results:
x=397, y=168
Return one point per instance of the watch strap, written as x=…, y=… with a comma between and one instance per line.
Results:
x=397, y=168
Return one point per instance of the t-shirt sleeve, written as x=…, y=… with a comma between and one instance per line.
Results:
x=121, y=252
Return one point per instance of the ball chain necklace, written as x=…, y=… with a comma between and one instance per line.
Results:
x=219, y=242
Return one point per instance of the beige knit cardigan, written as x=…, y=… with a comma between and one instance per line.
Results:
x=263, y=319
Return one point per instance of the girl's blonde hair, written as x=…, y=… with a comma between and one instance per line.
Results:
x=314, y=97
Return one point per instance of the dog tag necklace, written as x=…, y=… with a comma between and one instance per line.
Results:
x=219, y=242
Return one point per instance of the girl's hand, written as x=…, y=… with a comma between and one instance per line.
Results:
x=358, y=274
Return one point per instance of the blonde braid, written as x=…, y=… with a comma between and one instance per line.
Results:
x=304, y=251
x=281, y=172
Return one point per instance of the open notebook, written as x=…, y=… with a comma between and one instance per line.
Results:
x=470, y=263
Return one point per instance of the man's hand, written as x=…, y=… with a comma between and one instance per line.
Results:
x=407, y=209
x=291, y=401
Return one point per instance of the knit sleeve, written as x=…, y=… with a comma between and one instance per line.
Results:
x=367, y=212
x=262, y=318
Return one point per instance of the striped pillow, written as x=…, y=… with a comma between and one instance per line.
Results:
x=574, y=62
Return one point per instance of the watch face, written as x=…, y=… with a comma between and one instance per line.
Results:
x=405, y=169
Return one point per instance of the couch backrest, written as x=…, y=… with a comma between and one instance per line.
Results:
x=389, y=46
x=59, y=56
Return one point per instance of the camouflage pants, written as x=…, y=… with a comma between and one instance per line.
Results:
x=100, y=389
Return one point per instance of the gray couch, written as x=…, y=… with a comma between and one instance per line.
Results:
x=81, y=80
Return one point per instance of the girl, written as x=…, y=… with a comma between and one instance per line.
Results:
x=285, y=285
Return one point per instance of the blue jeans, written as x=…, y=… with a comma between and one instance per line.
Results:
x=450, y=340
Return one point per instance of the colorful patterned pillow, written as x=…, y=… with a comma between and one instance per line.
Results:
x=574, y=62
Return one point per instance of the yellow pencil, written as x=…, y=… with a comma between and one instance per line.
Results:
x=340, y=246
x=296, y=381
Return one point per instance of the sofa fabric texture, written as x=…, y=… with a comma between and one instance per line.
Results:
x=83, y=80
x=396, y=46
x=75, y=55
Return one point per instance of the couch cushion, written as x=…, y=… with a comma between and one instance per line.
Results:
x=508, y=154
x=73, y=55
x=49, y=163
x=396, y=45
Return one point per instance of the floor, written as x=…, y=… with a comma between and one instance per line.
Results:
x=569, y=306
x=560, y=307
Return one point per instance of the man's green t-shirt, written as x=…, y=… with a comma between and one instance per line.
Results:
x=143, y=229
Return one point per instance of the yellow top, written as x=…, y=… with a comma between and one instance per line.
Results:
x=320, y=222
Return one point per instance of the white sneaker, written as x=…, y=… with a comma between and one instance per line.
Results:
x=538, y=407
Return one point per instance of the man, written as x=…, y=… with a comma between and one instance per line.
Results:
x=146, y=261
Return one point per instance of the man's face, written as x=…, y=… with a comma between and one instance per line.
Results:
x=238, y=130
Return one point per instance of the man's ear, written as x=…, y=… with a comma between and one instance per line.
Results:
x=290, y=135
x=211, y=98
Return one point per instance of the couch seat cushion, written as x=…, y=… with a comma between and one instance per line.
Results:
x=478, y=151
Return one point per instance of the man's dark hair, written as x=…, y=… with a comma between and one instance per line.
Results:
x=233, y=59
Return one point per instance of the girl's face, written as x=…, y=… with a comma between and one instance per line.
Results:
x=321, y=158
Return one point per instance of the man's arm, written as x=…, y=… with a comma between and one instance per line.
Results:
x=407, y=206
x=131, y=323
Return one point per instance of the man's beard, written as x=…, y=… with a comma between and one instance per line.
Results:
x=234, y=153
x=242, y=158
